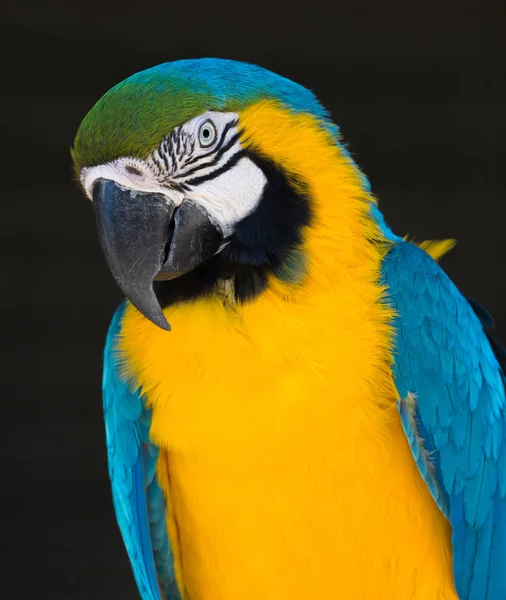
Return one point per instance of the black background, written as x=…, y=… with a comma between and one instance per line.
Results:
x=420, y=97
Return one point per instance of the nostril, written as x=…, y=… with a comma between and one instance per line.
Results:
x=133, y=170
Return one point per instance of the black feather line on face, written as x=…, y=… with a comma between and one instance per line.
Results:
x=260, y=245
x=217, y=154
x=231, y=162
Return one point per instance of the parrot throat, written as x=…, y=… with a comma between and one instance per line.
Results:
x=267, y=242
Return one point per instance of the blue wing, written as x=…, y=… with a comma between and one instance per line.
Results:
x=452, y=408
x=138, y=500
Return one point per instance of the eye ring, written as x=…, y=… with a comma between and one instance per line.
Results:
x=207, y=134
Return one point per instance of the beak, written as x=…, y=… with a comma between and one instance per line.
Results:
x=145, y=237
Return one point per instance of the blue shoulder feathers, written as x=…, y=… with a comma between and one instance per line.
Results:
x=452, y=405
x=138, y=500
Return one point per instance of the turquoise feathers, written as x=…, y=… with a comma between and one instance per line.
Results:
x=138, y=500
x=443, y=356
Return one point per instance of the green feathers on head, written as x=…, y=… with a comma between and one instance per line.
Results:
x=133, y=117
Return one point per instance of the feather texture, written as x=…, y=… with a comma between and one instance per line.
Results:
x=444, y=358
x=134, y=116
x=287, y=468
x=138, y=500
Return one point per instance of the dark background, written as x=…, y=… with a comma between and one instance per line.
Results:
x=420, y=97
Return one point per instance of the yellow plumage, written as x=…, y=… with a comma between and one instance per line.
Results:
x=285, y=466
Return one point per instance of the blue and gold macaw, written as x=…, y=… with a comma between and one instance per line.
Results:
x=324, y=416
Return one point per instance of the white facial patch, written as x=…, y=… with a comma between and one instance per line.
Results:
x=131, y=173
x=232, y=195
x=201, y=160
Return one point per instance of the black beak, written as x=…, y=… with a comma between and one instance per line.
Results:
x=145, y=237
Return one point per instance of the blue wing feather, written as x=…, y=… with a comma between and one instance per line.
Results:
x=445, y=358
x=138, y=500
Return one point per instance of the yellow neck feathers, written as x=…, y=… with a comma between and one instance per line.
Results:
x=340, y=237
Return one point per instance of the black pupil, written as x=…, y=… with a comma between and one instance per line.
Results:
x=206, y=133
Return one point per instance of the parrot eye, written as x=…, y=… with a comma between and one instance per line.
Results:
x=207, y=134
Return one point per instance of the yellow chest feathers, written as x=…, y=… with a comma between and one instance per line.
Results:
x=269, y=371
x=283, y=459
x=284, y=463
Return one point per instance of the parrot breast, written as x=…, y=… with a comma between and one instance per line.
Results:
x=283, y=459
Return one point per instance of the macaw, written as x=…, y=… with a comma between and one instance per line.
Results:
x=298, y=403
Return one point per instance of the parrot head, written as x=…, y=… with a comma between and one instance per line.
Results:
x=187, y=166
